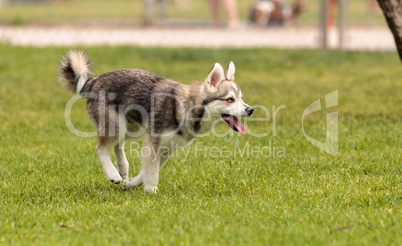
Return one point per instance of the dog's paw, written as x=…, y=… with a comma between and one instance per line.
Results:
x=115, y=179
x=123, y=169
x=132, y=183
x=151, y=189
x=124, y=175
x=126, y=184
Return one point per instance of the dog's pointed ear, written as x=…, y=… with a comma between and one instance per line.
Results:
x=215, y=76
x=230, y=71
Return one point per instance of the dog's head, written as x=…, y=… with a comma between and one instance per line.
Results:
x=223, y=98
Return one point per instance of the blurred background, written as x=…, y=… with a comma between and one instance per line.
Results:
x=340, y=24
x=52, y=188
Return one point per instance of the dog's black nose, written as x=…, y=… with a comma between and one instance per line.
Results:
x=249, y=111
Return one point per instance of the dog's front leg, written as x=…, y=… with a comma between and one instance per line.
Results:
x=151, y=162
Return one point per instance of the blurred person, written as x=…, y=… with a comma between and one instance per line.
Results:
x=149, y=10
x=332, y=33
x=373, y=6
x=275, y=12
x=331, y=13
x=231, y=12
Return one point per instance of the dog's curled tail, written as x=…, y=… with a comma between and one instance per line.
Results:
x=74, y=70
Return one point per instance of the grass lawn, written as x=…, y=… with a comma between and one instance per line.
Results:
x=48, y=12
x=53, y=191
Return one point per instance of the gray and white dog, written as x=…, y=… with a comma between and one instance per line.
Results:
x=132, y=103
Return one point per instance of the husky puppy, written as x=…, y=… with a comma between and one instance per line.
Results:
x=132, y=103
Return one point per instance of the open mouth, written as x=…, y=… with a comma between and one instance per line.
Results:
x=234, y=123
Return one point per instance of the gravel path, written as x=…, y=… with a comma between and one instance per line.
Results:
x=372, y=39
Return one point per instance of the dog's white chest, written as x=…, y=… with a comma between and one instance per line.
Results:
x=176, y=141
x=181, y=141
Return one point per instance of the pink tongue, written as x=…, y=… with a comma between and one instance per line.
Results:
x=236, y=123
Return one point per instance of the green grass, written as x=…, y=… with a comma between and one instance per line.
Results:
x=53, y=191
x=75, y=11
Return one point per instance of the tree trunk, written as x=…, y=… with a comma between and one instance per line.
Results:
x=392, y=10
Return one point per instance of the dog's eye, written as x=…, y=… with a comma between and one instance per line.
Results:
x=230, y=100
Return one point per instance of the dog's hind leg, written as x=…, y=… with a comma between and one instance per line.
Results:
x=121, y=160
x=103, y=151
